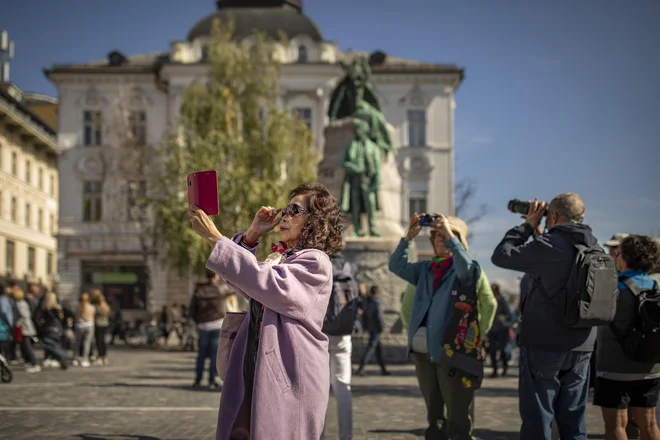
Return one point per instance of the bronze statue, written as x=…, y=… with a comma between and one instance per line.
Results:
x=354, y=98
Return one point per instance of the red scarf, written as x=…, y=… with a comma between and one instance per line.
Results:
x=440, y=266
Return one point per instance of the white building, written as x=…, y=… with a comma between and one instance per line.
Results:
x=28, y=189
x=417, y=99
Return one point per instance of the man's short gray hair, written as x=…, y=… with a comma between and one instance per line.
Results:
x=568, y=207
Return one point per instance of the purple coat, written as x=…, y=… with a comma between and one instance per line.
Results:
x=291, y=381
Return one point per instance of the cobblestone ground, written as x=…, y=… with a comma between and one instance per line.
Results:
x=146, y=395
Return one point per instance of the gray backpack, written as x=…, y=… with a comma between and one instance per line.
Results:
x=590, y=296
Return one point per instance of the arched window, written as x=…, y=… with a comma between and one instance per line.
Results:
x=302, y=54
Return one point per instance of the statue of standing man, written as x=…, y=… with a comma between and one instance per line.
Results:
x=354, y=98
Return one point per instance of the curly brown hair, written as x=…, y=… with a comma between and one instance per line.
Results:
x=323, y=227
x=640, y=252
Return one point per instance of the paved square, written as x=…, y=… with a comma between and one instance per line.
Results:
x=146, y=395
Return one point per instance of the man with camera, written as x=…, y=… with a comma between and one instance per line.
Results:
x=554, y=356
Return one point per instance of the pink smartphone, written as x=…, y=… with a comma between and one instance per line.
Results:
x=203, y=191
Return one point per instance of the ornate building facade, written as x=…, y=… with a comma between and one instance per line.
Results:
x=28, y=188
x=417, y=99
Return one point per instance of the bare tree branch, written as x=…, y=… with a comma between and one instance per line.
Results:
x=465, y=193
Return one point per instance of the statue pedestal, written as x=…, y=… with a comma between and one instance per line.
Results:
x=372, y=255
x=331, y=173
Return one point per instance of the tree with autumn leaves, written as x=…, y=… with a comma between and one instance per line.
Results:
x=230, y=123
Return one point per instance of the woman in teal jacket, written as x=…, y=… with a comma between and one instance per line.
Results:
x=448, y=402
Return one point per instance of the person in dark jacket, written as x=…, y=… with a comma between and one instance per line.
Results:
x=554, y=359
x=374, y=320
x=52, y=329
x=498, y=337
x=208, y=309
x=625, y=386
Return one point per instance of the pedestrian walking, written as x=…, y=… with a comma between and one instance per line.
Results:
x=374, y=319
x=208, y=310
x=101, y=324
x=84, y=331
x=27, y=332
x=339, y=325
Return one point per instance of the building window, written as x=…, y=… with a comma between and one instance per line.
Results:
x=28, y=172
x=417, y=202
x=92, y=200
x=14, y=210
x=30, y=260
x=40, y=178
x=304, y=114
x=137, y=191
x=28, y=215
x=302, y=54
x=92, y=124
x=52, y=185
x=53, y=226
x=10, y=257
x=40, y=220
x=14, y=163
x=50, y=263
x=416, y=128
x=137, y=124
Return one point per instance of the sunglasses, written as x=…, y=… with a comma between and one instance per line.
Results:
x=293, y=210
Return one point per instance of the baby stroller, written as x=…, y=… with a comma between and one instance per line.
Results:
x=5, y=372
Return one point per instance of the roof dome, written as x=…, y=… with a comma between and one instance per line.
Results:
x=268, y=16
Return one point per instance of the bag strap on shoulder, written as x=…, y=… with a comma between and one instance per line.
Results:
x=630, y=285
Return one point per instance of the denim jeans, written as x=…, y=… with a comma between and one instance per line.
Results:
x=374, y=347
x=208, y=348
x=53, y=350
x=553, y=385
x=340, y=348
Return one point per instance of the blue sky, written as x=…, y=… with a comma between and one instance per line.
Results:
x=559, y=96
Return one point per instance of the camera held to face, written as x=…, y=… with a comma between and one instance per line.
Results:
x=427, y=220
x=522, y=207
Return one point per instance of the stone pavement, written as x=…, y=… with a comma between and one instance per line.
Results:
x=146, y=395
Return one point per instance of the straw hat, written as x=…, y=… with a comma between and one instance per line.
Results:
x=459, y=228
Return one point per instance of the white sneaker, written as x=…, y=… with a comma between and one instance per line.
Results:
x=76, y=363
x=99, y=362
x=46, y=363
x=85, y=364
x=33, y=369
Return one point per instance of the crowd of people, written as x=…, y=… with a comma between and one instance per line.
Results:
x=69, y=335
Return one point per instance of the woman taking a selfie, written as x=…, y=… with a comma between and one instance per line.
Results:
x=278, y=367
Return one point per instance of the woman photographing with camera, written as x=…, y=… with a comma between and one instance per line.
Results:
x=277, y=384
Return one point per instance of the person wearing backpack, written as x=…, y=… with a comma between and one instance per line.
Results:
x=628, y=357
x=557, y=336
x=338, y=326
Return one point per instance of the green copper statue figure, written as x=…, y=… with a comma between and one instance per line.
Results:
x=354, y=98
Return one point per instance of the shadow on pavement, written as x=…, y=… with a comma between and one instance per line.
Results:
x=387, y=390
x=144, y=385
x=489, y=434
x=418, y=432
x=115, y=436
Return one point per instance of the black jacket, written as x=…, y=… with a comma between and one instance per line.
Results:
x=373, y=315
x=548, y=259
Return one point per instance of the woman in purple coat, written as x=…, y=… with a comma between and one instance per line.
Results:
x=277, y=385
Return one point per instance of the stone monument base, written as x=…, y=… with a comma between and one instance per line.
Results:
x=372, y=255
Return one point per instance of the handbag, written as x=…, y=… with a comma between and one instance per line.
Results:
x=230, y=325
x=18, y=333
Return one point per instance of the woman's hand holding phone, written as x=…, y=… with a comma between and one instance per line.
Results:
x=203, y=225
x=264, y=221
